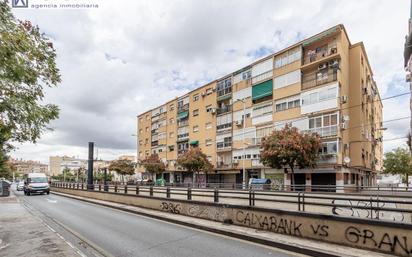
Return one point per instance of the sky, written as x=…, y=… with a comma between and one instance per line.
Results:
x=126, y=57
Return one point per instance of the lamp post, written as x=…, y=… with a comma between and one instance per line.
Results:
x=243, y=142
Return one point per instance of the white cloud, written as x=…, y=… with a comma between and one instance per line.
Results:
x=122, y=59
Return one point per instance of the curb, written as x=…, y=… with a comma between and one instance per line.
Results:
x=292, y=248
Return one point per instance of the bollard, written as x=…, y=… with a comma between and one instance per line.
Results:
x=151, y=190
x=167, y=192
x=137, y=189
x=115, y=188
x=100, y=187
x=125, y=189
x=189, y=193
x=82, y=186
x=216, y=196
x=77, y=185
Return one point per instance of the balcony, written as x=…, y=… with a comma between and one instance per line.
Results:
x=261, y=77
x=183, y=123
x=224, y=109
x=223, y=165
x=224, y=93
x=319, y=53
x=224, y=126
x=182, y=108
x=155, y=143
x=224, y=146
x=324, y=131
x=318, y=78
x=182, y=137
x=327, y=158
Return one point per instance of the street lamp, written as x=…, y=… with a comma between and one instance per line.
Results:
x=243, y=141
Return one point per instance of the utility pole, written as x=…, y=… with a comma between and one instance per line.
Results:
x=90, y=185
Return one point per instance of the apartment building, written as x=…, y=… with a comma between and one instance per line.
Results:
x=323, y=84
x=28, y=166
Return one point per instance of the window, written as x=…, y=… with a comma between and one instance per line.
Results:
x=171, y=107
x=147, y=129
x=209, y=108
x=324, y=94
x=325, y=125
x=287, y=79
x=147, y=152
x=224, y=121
x=140, y=131
x=140, y=142
x=195, y=97
x=262, y=110
x=195, y=128
x=328, y=148
x=224, y=87
x=288, y=57
x=287, y=103
x=171, y=121
x=196, y=112
x=208, y=125
x=209, y=91
x=146, y=141
x=140, y=119
x=171, y=134
x=208, y=142
x=171, y=148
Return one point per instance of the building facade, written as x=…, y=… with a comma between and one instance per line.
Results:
x=323, y=84
x=27, y=166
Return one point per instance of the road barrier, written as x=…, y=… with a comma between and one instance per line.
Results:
x=369, y=233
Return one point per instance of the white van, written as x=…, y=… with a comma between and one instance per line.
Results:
x=36, y=183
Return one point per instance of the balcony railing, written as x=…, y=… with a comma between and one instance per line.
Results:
x=327, y=158
x=224, y=126
x=261, y=77
x=225, y=109
x=325, y=51
x=182, y=136
x=324, y=131
x=221, y=165
x=182, y=108
x=224, y=145
x=317, y=78
x=224, y=91
x=182, y=123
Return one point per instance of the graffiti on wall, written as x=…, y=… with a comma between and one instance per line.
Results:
x=361, y=209
x=207, y=212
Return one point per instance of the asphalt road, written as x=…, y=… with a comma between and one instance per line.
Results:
x=117, y=233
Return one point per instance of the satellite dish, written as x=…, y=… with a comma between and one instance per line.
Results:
x=346, y=160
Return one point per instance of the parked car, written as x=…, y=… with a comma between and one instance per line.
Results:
x=20, y=186
x=36, y=183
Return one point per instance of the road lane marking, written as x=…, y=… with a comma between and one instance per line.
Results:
x=51, y=200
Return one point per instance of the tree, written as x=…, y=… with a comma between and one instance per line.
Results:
x=27, y=66
x=195, y=161
x=153, y=164
x=398, y=161
x=6, y=167
x=290, y=148
x=122, y=167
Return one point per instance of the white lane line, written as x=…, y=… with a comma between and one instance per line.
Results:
x=51, y=200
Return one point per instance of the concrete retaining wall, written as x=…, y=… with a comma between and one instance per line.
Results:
x=382, y=236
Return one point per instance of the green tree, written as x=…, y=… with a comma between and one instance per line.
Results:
x=27, y=67
x=398, y=161
x=290, y=148
x=6, y=167
x=194, y=161
x=153, y=164
x=122, y=167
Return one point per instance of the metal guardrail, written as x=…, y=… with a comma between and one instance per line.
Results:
x=358, y=205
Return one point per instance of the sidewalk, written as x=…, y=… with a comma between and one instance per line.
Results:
x=22, y=234
x=298, y=245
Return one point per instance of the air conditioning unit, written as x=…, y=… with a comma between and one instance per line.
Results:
x=408, y=77
x=364, y=90
x=344, y=99
x=343, y=125
x=239, y=123
x=322, y=66
x=213, y=111
x=203, y=94
x=345, y=118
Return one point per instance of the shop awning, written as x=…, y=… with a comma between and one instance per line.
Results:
x=262, y=90
x=182, y=115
